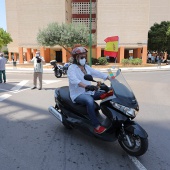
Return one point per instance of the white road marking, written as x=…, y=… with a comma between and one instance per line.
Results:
x=137, y=163
x=4, y=96
x=51, y=81
x=5, y=90
x=22, y=83
x=46, y=82
x=21, y=90
x=19, y=86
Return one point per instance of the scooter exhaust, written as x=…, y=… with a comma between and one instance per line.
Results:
x=57, y=114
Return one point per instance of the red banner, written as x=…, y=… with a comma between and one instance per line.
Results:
x=112, y=44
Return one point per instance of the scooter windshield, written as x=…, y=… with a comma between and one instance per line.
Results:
x=122, y=91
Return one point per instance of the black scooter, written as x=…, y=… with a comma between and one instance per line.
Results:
x=118, y=108
x=58, y=69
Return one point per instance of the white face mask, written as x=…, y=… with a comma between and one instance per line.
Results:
x=82, y=61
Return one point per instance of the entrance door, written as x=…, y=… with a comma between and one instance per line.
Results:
x=58, y=56
x=102, y=53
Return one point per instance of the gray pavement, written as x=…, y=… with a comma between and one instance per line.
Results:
x=11, y=68
x=41, y=135
x=141, y=69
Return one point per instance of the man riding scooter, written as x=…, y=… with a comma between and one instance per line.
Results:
x=75, y=107
x=81, y=90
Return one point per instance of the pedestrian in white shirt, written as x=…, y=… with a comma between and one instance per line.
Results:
x=3, y=61
x=78, y=86
x=38, y=70
x=153, y=59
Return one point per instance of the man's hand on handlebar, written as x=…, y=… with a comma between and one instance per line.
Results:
x=104, y=87
x=91, y=88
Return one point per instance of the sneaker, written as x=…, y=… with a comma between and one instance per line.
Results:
x=33, y=88
x=4, y=81
x=100, y=130
x=39, y=88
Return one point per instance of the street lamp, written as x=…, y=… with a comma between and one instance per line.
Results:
x=90, y=37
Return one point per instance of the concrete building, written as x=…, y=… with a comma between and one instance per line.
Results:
x=130, y=20
x=25, y=18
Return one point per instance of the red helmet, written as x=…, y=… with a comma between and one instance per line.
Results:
x=78, y=50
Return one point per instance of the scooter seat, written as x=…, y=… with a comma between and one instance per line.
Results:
x=64, y=96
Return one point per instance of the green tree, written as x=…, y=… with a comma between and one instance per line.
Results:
x=65, y=35
x=168, y=34
x=168, y=31
x=158, y=39
x=5, y=38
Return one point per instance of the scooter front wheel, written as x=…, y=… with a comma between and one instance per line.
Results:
x=134, y=145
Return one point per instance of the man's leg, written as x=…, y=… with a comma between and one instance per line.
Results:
x=4, y=76
x=97, y=95
x=87, y=100
x=35, y=79
x=40, y=80
x=0, y=76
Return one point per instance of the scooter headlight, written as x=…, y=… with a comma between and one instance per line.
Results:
x=131, y=112
x=126, y=110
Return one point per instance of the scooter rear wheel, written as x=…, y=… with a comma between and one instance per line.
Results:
x=138, y=145
x=58, y=73
x=66, y=125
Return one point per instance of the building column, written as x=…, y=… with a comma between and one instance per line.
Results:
x=144, y=55
x=42, y=52
x=9, y=56
x=21, y=61
x=28, y=54
x=98, y=52
x=47, y=55
x=64, y=58
x=165, y=55
x=34, y=51
x=68, y=54
x=137, y=53
x=121, y=54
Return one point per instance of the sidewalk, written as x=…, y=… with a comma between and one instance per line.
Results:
x=142, y=69
x=28, y=68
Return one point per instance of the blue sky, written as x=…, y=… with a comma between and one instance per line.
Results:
x=2, y=15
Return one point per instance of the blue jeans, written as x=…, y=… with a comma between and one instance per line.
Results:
x=2, y=72
x=88, y=100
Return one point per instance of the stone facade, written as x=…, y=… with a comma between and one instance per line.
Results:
x=130, y=20
x=159, y=11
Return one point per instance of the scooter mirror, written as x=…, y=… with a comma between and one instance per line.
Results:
x=88, y=77
x=118, y=72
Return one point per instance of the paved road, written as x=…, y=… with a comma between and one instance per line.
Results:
x=32, y=139
x=10, y=68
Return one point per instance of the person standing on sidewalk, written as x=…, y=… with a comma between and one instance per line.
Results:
x=159, y=61
x=38, y=70
x=3, y=61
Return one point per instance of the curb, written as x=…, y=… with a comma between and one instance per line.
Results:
x=129, y=69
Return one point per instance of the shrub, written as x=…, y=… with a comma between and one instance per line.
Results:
x=102, y=61
x=135, y=61
x=125, y=61
x=94, y=61
x=5, y=52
